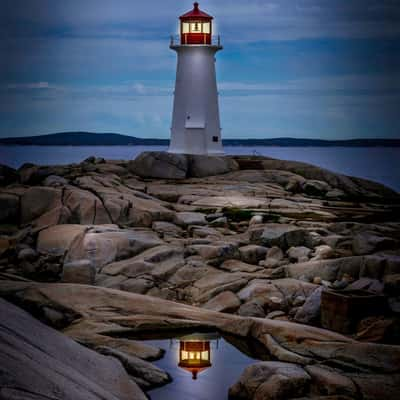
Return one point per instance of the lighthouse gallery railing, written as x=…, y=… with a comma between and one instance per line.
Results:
x=175, y=40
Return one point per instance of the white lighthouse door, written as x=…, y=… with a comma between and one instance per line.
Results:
x=195, y=140
x=195, y=131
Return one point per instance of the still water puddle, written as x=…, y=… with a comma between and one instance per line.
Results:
x=202, y=365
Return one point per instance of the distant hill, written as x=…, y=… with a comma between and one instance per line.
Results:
x=115, y=139
x=83, y=139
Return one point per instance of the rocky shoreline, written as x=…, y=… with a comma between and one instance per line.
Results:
x=249, y=246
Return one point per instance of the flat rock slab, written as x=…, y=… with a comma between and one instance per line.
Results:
x=104, y=245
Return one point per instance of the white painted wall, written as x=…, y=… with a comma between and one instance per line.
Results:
x=195, y=118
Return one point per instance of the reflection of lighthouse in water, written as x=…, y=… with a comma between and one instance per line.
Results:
x=195, y=353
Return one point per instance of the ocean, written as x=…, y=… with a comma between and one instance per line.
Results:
x=380, y=164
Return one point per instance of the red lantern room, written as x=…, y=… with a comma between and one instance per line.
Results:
x=196, y=27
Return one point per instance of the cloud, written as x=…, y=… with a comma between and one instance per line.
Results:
x=34, y=85
x=322, y=85
x=291, y=108
x=328, y=68
x=247, y=21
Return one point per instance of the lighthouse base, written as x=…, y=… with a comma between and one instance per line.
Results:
x=196, y=153
x=195, y=141
x=166, y=165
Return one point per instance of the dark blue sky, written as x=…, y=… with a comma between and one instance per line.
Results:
x=307, y=68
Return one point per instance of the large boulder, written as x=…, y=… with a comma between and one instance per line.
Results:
x=86, y=207
x=271, y=380
x=186, y=218
x=160, y=164
x=310, y=311
x=328, y=270
x=40, y=363
x=351, y=186
x=39, y=200
x=57, y=239
x=30, y=174
x=164, y=165
x=201, y=166
x=252, y=253
x=281, y=235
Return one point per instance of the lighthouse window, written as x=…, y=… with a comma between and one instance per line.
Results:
x=206, y=27
x=185, y=27
x=215, y=139
x=196, y=27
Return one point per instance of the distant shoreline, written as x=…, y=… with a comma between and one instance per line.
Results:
x=114, y=139
x=225, y=144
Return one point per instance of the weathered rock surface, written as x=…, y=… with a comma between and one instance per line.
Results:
x=58, y=239
x=223, y=302
x=189, y=218
x=299, y=253
x=160, y=165
x=252, y=254
x=163, y=165
x=105, y=310
x=104, y=245
x=202, y=166
x=327, y=381
x=270, y=380
x=281, y=235
x=38, y=362
x=81, y=271
x=145, y=374
x=310, y=311
x=241, y=235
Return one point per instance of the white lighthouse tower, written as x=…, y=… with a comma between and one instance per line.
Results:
x=195, y=121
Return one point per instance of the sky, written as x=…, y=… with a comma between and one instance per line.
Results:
x=325, y=69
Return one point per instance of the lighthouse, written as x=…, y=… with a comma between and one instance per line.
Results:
x=195, y=119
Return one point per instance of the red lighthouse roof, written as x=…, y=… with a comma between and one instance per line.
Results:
x=196, y=13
